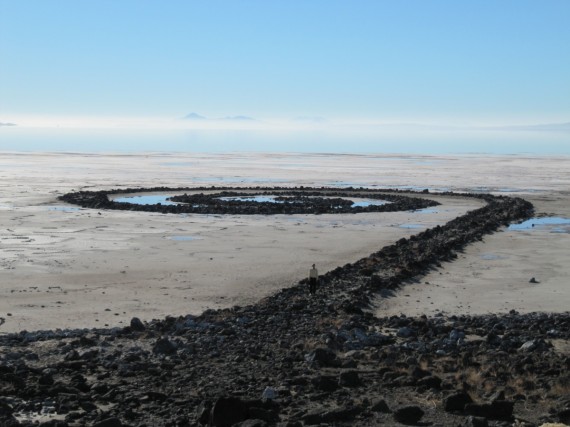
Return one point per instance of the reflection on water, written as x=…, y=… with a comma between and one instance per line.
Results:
x=543, y=223
x=162, y=199
x=146, y=200
x=258, y=199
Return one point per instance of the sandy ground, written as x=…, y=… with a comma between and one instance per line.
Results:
x=64, y=267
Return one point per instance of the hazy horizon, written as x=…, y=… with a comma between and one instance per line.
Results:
x=312, y=76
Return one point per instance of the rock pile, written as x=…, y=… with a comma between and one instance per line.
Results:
x=295, y=359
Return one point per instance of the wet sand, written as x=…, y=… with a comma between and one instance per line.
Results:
x=64, y=267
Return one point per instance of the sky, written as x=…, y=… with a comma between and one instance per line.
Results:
x=286, y=64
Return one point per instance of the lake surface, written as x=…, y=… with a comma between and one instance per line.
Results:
x=333, y=140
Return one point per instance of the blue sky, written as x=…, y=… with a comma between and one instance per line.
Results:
x=457, y=63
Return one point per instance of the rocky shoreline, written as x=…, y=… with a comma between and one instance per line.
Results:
x=294, y=359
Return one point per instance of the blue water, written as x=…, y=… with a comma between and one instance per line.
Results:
x=258, y=199
x=541, y=223
x=330, y=140
x=146, y=200
x=154, y=199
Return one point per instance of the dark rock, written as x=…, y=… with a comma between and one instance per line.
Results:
x=498, y=410
x=472, y=421
x=349, y=379
x=332, y=416
x=324, y=357
x=564, y=416
x=164, y=346
x=408, y=415
x=325, y=382
x=137, y=324
x=228, y=411
x=406, y=332
x=203, y=412
x=380, y=406
x=263, y=414
x=251, y=423
x=430, y=382
x=456, y=402
x=109, y=422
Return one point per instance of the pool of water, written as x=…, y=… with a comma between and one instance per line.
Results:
x=547, y=222
x=271, y=199
x=258, y=199
x=185, y=238
x=426, y=211
x=146, y=199
x=153, y=199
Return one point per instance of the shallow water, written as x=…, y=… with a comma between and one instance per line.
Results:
x=543, y=223
x=63, y=208
x=184, y=238
x=147, y=200
x=162, y=199
x=490, y=257
x=258, y=199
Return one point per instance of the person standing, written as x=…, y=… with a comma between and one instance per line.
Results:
x=313, y=278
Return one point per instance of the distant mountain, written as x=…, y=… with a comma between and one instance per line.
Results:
x=8, y=124
x=242, y=118
x=194, y=116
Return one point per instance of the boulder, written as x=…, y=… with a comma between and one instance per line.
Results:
x=228, y=411
x=349, y=379
x=498, y=410
x=409, y=415
x=137, y=324
x=456, y=402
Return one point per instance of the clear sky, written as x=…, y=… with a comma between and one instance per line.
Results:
x=444, y=62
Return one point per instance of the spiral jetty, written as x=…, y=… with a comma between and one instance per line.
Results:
x=295, y=359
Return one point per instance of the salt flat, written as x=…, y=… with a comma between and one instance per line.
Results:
x=64, y=267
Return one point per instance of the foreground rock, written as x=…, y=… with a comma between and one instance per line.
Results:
x=294, y=359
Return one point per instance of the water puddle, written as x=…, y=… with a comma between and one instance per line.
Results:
x=544, y=223
x=63, y=208
x=271, y=199
x=490, y=257
x=412, y=226
x=257, y=199
x=146, y=200
x=426, y=211
x=369, y=202
x=185, y=238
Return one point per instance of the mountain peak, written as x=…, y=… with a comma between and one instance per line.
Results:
x=194, y=116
